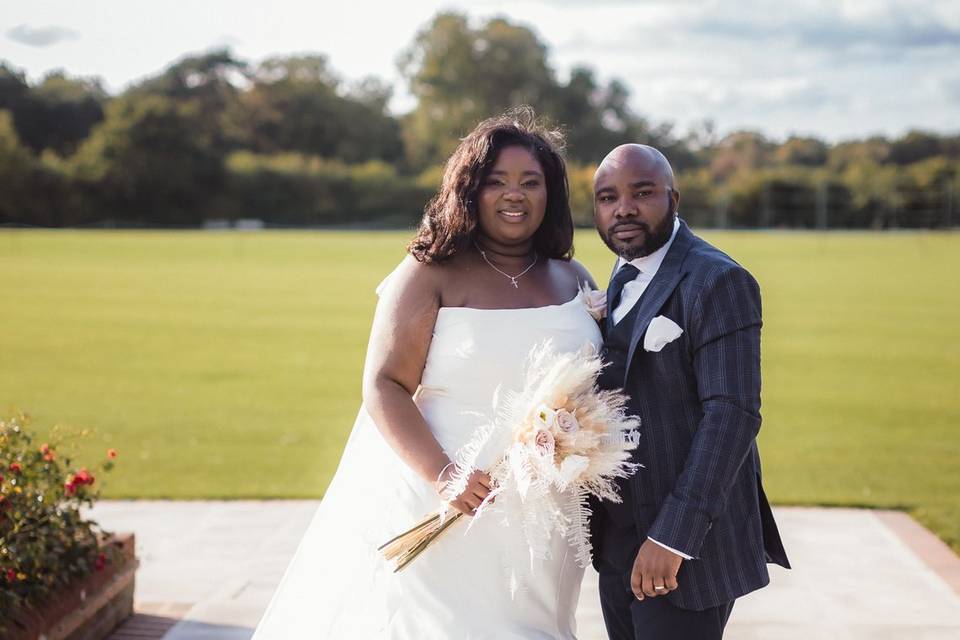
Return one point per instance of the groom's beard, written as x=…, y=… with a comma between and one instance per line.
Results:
x=655, y=238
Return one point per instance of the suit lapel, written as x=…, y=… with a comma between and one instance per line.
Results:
x=660, y=288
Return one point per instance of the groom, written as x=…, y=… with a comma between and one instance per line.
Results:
x=694, y=531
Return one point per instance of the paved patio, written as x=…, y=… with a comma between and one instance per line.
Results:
x=208, y=570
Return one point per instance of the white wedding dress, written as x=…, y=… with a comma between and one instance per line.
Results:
x=337, y=586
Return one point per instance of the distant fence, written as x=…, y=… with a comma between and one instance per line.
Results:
x=824, y=206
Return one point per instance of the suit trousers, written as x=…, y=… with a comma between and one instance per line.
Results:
x=627, y=618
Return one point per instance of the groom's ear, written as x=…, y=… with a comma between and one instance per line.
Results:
x=675, y=196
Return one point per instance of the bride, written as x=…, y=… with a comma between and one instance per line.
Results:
x=489, y=275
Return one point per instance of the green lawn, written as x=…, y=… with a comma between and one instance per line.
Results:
x=226, y=365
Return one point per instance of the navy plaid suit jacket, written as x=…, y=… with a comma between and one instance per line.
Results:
x=698, y=399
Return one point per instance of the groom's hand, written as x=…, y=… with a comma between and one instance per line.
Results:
x=654, y=567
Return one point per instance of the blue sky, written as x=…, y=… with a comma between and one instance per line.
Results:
x=838, y=69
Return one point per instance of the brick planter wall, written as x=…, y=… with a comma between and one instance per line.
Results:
x=88, y=609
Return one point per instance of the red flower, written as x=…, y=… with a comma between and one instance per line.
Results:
x=1, y=477
x=100, y=562
x=111, y=453
x=44, y=448
x=11, y=575
x=49, y=456
x=15, y=467
x=70, y=486
x=83, y=477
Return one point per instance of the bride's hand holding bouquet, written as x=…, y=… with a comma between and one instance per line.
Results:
x=478, y=487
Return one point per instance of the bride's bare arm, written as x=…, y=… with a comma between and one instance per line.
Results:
x=402, y=329
x=396, y=354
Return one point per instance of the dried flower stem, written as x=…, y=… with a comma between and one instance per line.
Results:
x=404, y=548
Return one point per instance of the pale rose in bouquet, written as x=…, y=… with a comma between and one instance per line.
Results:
x=556, y=442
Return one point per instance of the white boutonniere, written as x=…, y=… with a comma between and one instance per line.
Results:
x=661, y=332
x=595, y=301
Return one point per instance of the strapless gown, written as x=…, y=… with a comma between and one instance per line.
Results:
x=337, y=586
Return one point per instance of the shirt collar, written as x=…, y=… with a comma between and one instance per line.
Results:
x=649, y=265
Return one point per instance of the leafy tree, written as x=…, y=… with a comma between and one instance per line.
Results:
x=874, y=150
x=807, y=152
x=926, y=188
x=461, y=75
x=597, y=118
x=35, y=192
x=914, y=146
x=59, y=113
x=740, y=151
x=873, y=188
x=13, y=87
x=207, y=86
x=299, y=104
x=16, y=169
x=145, y=162
x=56, y=114
x=699, y=198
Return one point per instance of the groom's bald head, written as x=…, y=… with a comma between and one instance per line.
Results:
x=641, y=156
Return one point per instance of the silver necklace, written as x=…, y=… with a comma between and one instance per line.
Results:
x=513, y=279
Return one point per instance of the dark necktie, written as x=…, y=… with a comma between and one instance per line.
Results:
x=626, y=273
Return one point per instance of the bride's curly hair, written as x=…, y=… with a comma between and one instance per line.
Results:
x=450, y=219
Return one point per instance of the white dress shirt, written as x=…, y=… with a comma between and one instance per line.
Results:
x=648, y=266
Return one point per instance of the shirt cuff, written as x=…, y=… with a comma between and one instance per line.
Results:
x=671, y=549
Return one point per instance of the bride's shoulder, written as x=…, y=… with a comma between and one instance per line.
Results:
x=575, y=271
x=410, y=277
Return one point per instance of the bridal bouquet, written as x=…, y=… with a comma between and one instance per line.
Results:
x=557, y=442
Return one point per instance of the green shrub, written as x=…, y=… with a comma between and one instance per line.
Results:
x=44, y=541
x=298, y=189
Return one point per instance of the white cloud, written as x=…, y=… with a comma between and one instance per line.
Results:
x=836, y=69
x=40, y=36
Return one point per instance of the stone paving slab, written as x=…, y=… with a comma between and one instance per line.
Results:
x=211, y=567
x=142, y=626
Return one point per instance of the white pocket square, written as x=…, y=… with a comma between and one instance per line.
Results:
x=661, y=331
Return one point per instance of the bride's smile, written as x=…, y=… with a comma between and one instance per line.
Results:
x=512, y=216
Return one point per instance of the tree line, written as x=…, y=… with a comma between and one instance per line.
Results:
x=289, y=141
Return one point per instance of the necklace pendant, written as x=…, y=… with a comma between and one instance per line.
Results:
x=513, y=279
